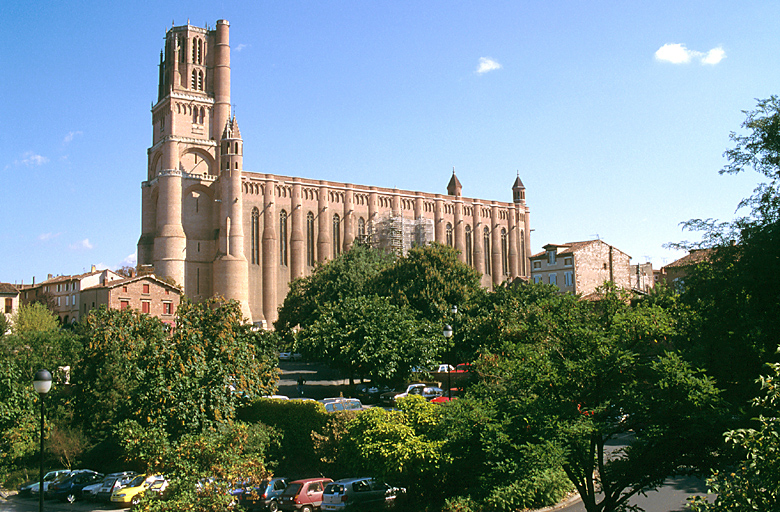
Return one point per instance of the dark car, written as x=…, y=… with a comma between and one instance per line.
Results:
x=303, y=495
x=69, y=489
x=369, y=393
x=265, y=496
x=359, y=494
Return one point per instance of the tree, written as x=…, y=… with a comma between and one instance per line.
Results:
x=351, y=274
x=34, y=317
x=753, y=484
x=430, y=279
x=369, y=337
x=734, y=295
x=580, y=374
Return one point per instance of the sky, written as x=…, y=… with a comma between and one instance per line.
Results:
x=615, y=115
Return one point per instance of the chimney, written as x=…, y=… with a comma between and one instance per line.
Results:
x=33, y=280
x=50, y=276
x=132, y=272
x=93, y=268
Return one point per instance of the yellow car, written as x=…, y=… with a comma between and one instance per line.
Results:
x=131, y=493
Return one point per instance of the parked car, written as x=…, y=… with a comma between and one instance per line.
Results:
x=132, y=492
x=369, y=393
x=423, y=390
x=303, y=495
x=290, y=356
x=113, y=482
x=31, y=487
x=359, y=494
x=264, y=496
x=70, y=488
x=342, y=404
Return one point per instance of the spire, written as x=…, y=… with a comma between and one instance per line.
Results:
x=454, y=187
x=518, y=183
x=518, y=190
x=231, y=129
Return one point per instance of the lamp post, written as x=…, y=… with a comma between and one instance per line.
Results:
x=448, y=334
x=42, y=385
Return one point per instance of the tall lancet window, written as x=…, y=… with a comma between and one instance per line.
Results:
x=283, y=238
x=449, y=234
x=310, y=239
x=362, y=229
x=336, y=235
x=504, y=252
x=255, y=228
x=486, y=253
x=469, y=247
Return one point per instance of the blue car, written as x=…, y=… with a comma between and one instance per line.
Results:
x=69, y=488
x=265, y=496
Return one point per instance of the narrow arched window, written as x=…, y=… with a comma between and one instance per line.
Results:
x=255, y=228
x=200, y=80
x=310, y=239
x=449, y=234
x=195, y=115
x=362, y=229
x=504, y=252
x=194, y=51
x=202, y=115
x=283, y=238
x=469, y=247
x=486, y=253
x=200, y=51
x=336, y=235
x=194, y=85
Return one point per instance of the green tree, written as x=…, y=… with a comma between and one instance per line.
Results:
x=733, y=296
x=753, y=483
x=430, y=279
x=351, y=274
x=34, y=317
x=581, y=374
x=369, y=337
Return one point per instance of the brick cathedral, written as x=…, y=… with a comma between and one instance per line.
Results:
x=218, y=229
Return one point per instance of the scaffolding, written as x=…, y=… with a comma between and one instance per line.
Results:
x=396, y=234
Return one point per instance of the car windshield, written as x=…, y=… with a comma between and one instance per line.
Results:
x=137, y=481
x=292, y=489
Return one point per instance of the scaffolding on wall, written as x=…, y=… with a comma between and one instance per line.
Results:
x=396, y=234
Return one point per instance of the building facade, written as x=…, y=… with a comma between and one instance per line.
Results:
x=9, y=294
x=215, y=228
x=581, y=267
x=144, y=293
x=62, y=293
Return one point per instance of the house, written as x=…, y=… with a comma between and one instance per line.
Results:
x=675, y=272
x=145, y=293
x=61, y=293
x=581, y=267
x=9, y=294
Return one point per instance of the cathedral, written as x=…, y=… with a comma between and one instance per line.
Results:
x=215, y=228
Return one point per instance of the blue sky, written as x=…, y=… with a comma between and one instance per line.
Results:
x=615, y=115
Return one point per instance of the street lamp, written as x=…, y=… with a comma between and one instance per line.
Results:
x=448, y=334
x=42, y=385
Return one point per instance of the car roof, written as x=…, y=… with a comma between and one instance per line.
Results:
x=305, y=480
x=350, y=480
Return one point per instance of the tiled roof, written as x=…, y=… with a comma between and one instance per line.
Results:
x=695, y=257
x=120, y=282
x=570, y=248
x=8, y=289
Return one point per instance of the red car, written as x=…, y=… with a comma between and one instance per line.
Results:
x=304, y=495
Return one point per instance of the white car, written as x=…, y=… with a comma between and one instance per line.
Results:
x=48, y=478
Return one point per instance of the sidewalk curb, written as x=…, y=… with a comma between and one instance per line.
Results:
x=571, y=500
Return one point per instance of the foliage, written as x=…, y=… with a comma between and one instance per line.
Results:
x=34, y=317
x=402, y=446
x=430, y=279
x=295, y=423
x=370, y=337
x=581, y=373
x=352, y=274
x=734, y=295
x=202, y=468
x=753, y=483
x=5, y=325
x=67, y=444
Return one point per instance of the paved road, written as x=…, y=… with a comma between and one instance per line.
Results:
x=17, y=503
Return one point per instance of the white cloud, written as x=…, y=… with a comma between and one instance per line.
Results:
x=48, y=236
x=129, y=261
x=487, y=64
x=714, y=56
x=70, y=136
x=676, y=53
x=83, y=244
x=239, y=47
x=31, y=159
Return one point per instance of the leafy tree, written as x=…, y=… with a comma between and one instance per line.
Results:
x=34, y=317
x=753, y=484
x=734, y=295
x=582, y=373
x=351, y=274
x=5, y=325
x=430, y=279
x=369, y=337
